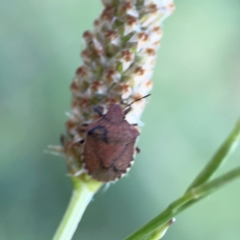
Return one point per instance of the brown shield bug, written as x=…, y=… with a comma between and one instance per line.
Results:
x=110, y=145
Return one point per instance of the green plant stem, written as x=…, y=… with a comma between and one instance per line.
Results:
x=197, y=190
x=219, y=157
x=222, y=153
x=160, y=232
x=181, y=204
x=82, y=194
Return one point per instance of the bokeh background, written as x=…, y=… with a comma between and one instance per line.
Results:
x=194, y=105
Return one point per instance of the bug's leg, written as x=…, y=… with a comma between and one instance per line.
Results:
x=138, y=150
x=62, y=139
x=80, y=141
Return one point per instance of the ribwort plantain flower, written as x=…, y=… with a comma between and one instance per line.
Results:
x=118, y=62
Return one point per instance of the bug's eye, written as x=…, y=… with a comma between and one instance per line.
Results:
x=99, y=110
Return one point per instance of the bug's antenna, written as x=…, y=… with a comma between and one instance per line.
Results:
x=128, y=108
x=137, y=100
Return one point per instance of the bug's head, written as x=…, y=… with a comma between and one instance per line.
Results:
x=115, y=114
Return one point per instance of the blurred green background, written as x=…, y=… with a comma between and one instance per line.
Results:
x=194, y=105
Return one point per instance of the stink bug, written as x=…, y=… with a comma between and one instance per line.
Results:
x=110, y=145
